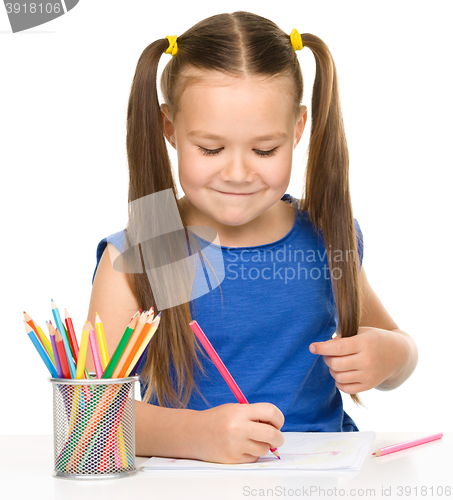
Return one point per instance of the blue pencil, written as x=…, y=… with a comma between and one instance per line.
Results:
x=44, y=356
x=56, y=315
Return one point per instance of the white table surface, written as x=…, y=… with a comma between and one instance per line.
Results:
x=426, y=471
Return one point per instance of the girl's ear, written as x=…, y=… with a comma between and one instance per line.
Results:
x=300, y=125
x=169, y=129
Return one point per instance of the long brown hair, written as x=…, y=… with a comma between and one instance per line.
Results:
x=238, y=44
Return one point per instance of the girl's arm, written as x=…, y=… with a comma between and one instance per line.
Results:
x=380, y=356
x=230, y=433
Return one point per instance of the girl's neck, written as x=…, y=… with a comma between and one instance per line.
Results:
x=269, y=227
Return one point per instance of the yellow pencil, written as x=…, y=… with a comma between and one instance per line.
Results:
x=122, y=446
x=83, y=351
x=101, y=341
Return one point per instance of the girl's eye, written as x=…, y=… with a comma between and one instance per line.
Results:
x=211, y=152
x=266, y=153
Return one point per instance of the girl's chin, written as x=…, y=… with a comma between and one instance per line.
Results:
x=231, y=219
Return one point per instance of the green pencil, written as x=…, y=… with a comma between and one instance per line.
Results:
x=120, y=349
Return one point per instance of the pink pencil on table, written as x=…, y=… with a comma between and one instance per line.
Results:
x=94, y=346
x=222, y=368
x=406, y=444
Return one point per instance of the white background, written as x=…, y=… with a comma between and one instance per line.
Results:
x=64, y=89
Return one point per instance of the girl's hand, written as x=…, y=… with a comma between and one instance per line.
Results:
x=361, y=362
x=231, y=433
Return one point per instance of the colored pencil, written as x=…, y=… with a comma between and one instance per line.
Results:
x=221, y=367
x=95, y=351
x=120, y=367
x=72, y=335
x=83, y=351
x=54, y=347
x=60, y=328
x=62, y=353
x=406, y=444
x=127, y=367
x=41, y=336
x=122, y=446
x=120, y=348
x=115, y=440
x=41, y=351
x=73, y=341
x=75, y=407
x=101, y=340
x=149, y=331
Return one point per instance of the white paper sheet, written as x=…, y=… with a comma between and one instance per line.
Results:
x=343, y=451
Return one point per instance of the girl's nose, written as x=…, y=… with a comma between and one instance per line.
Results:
x=236, y=170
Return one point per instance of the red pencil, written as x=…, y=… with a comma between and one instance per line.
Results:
x=222, y=368
x=72, y=336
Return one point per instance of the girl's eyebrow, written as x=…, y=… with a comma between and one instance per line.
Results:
x=206, y=135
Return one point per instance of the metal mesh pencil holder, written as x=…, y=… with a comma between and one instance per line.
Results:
x=94, y=428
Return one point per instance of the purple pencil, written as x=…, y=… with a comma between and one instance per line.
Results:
x=55, y=352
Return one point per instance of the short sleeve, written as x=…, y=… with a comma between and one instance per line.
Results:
x=359, y=236
x=117, y=239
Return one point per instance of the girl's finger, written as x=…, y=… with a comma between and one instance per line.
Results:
x=264, y=433
x=343, y=363
x=350, y=377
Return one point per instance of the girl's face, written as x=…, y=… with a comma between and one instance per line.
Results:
x=234, y=139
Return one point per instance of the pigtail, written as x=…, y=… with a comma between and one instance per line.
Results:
x=173, y=349
x=327, y=196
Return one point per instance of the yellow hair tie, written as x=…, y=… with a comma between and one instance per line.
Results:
x=172, y=45
x=296, y=40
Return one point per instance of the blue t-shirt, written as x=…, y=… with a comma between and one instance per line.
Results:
x=277, y=300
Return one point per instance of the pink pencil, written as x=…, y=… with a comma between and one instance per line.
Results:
x=95, y=351
x=221, y=367
x=406, y=444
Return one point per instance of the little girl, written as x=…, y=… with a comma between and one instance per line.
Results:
x=293, y=267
